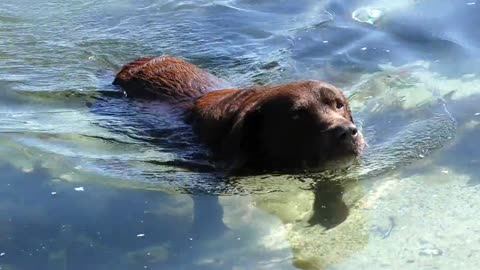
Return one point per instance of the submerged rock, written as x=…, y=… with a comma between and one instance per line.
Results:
x=368, y=15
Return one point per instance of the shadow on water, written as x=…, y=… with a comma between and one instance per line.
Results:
x=329, y=209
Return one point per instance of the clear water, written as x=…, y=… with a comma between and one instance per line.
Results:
x=91, y=180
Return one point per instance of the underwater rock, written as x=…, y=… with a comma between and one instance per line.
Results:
x=379, y=9
x=368, y=15
x=409, y=86
x=432, y=252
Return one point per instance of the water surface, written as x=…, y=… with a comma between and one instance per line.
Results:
x=93, y=180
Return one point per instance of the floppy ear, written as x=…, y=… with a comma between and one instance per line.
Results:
x=242, y=142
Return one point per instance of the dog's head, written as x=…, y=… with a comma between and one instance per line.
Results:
x=298, y=125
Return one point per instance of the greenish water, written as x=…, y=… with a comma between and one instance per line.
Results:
x=92, y=180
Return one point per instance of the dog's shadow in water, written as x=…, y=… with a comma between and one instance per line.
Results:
x=329, y=209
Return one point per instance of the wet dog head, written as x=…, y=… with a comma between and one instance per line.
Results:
x=296, y=126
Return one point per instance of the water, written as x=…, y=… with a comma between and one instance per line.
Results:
x=92, y=180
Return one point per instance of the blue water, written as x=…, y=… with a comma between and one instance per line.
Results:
x=92, y=180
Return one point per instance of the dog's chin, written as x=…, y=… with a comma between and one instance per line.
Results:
x=342, y=156
x=342, y=161
x=358, y=148
x=350, y=151
x=346, y=155
x=355, y=146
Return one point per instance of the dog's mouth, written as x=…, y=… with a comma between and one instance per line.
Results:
x=342, y=155
x=359, y=145
x=355, y=146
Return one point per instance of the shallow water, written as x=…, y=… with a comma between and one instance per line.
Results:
x=92, y=180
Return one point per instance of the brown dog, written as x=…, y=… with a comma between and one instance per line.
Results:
x=299, y=125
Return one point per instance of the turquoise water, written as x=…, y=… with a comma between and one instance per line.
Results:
x=92, y=180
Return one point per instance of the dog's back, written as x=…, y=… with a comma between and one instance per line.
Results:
x=166, y=77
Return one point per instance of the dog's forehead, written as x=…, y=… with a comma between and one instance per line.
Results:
x=301, y=95
x=317, y=93
x=328, y=91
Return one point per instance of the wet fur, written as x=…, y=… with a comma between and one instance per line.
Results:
x=262, y=127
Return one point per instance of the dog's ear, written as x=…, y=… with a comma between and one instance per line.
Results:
x=243, y=141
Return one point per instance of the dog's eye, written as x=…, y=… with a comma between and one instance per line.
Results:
x=340, y=105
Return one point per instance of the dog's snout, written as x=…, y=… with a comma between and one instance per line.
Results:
x=346, y=132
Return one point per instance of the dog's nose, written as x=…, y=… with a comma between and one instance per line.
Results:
x=347, y=132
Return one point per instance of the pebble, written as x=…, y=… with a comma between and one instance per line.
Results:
x=433, y=252
x=368, y=15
